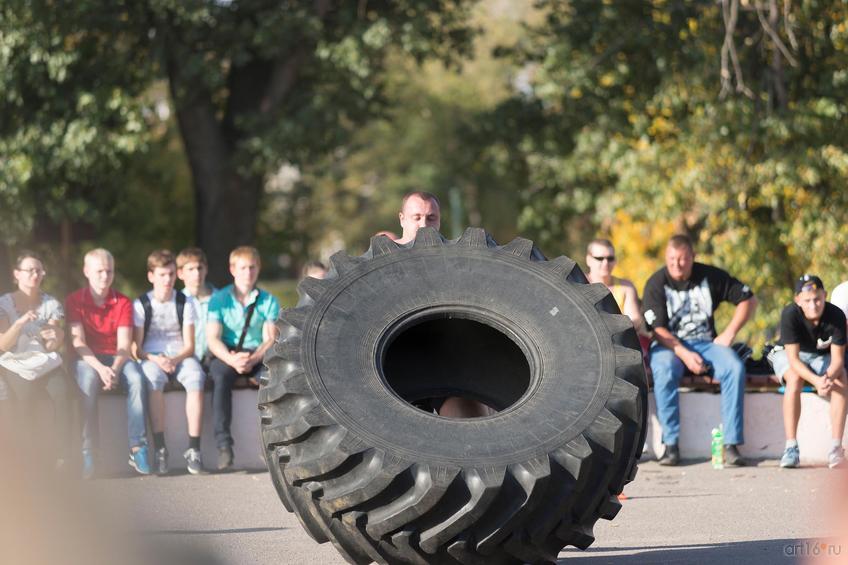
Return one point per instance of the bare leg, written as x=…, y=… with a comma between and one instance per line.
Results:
x=838, y=406
x=792, y=403
x=156, y=403
x=194, y=412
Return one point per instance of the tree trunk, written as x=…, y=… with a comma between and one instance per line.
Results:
x=226, y=203
x=227, y=211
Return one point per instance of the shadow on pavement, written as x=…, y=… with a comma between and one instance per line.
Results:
x=764, y=552
x=208, y=532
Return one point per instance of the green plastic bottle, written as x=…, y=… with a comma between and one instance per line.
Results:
x=717, y=448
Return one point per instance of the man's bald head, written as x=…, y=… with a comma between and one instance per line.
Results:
x=419, y=209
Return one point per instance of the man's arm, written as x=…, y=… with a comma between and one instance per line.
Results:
x=216, y=346
x=123, y=349
x=106, y=374
x=743, y=312
x=631, y=305
x=837, y=362
x=269, y=336
x=188, y=344
x=799, y=367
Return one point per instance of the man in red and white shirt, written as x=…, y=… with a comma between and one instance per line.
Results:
x=101, y=325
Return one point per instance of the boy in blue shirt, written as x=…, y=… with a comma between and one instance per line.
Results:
x=239, y=330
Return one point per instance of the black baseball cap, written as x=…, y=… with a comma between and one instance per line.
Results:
x=808, y=282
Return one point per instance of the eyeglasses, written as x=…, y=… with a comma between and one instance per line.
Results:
x=30, y=272
x=608, y=258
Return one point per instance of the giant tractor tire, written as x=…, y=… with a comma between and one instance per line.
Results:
x=354, y=455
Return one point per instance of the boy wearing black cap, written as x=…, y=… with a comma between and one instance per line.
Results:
x=812, y=333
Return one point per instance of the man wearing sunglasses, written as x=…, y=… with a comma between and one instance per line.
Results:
x=600, y=258
x=679, y=302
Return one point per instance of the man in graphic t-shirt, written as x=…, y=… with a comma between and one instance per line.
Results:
x=679, y=303
x=812, y=333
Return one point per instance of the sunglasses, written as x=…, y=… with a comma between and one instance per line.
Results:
x=609, y=258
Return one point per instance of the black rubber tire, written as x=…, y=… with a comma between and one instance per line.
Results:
x=385, y=481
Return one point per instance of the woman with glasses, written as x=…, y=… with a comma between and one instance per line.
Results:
x=600, y=258
x=29, y=316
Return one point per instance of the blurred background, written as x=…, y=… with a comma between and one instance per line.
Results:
x=296, y=126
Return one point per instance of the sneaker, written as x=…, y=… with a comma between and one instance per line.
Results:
x=87, y=464
x=732, y=458
x=836, y=458
x=193, y=461
x=225, y=458
x=671, y=457
x=160, y=461
x=791, y=458
x=140, y=461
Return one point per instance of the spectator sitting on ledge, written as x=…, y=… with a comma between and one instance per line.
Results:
x=812, y=333
x=679, y=302
x=239, y=331
x=600, y=258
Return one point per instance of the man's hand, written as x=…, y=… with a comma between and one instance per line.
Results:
x=693, y=361
x=725, y=338
x=107, y=376
x=163, y=362
x=823, y=385
x=240, y=361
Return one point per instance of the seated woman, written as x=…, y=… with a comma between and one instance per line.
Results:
x=33, y=315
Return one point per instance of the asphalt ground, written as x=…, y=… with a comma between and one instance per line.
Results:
x=687, y=514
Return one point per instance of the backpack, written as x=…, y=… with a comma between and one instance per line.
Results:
x=148, y=310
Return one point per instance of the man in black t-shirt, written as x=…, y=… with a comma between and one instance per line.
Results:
x=678, y=304
x=812, y=333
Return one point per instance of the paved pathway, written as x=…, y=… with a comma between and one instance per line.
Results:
x=687, y=514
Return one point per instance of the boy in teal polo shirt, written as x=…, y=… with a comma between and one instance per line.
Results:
x=239, y=330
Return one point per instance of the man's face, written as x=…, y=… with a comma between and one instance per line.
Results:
x=245, y=271
x=811, y=303
x=601, y=259
x=163, y=278
x=418, y=213
x=679, y=262
x=193, y=274
x=100, y=273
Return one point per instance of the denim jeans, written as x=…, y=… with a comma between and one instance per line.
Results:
x=222, y=397
x=667, y=369
x=133, y=383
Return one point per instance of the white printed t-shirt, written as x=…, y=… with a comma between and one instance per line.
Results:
x=165, y=335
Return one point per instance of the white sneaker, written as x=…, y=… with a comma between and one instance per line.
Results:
x=836, y=458
x=193, y=462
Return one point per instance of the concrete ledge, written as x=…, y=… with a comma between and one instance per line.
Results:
x=245, y=429
x=700, y=412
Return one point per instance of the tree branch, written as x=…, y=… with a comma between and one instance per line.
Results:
x=787, y=25
x=772, y=33
x=730, y=13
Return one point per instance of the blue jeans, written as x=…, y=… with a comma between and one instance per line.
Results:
x=667, y=369
x=132, y=381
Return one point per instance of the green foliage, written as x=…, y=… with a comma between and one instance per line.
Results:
x=435, y=135
x=66, y=129
x=637, y=129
